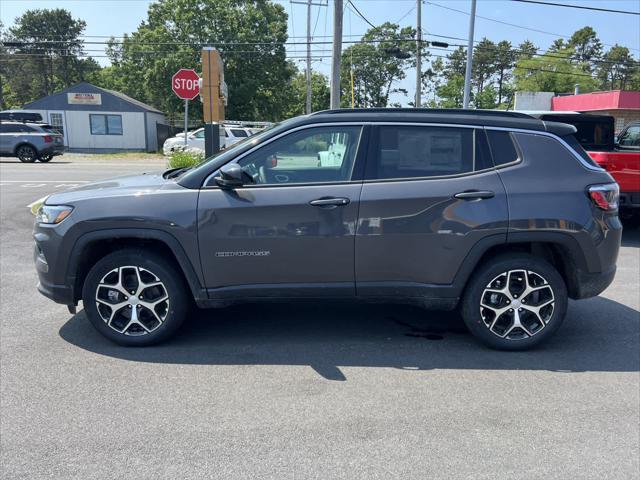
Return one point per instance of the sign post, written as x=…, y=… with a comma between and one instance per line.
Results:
x=213, y=93
x=185, y=83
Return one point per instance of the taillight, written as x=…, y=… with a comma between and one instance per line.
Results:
x=48, y=139
x=605, y=196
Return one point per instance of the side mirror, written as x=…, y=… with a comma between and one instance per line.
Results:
x=231, y=176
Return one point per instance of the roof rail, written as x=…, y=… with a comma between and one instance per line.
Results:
x=449, y=111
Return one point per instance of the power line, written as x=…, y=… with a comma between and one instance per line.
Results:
x=557, y=35
x=49, y=45
x=318, y=54
x=581, y=7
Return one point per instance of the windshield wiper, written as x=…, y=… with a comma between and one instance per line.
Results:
x=174, y=172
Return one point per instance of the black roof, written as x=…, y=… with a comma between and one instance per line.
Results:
x=488, y=118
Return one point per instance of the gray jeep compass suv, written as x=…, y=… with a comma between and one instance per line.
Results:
x=500, y=215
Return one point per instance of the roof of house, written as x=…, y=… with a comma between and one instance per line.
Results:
x=609, y=100
x=111, y=100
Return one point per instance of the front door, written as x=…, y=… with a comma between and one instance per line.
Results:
x=56, y=119
x=290, y=231
x=430, y=193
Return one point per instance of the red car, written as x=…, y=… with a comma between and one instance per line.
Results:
x=619, y=156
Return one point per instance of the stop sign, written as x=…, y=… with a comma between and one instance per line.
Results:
x=185, y=83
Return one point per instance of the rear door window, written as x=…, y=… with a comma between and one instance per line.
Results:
x=404, y=151
x=503, y=150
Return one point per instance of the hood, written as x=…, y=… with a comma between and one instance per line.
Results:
x=134, y=185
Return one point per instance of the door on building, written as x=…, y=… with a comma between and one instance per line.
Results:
x=56, y=119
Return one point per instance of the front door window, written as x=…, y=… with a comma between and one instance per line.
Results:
x=311, y=155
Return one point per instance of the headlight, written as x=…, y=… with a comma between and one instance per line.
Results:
x=35, y=206
x=53, y=214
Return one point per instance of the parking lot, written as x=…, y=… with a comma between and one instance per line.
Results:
x=305, y=390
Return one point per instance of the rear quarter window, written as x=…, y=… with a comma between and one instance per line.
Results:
x=503, y=150
x=543, y=147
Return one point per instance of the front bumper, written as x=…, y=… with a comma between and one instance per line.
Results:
x=46, y=286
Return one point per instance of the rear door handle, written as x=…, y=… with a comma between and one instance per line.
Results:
x=330, y=202
x=475, y=194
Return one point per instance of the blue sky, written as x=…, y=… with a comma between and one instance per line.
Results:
x=115, y=17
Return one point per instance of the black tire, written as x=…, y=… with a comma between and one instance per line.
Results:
x=143, y=264
x=491, y=273
x=45, y=157
x=26, y=154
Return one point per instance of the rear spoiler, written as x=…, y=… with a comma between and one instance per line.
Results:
x=560, y=129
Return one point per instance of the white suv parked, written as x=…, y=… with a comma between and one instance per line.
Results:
x=195, y=139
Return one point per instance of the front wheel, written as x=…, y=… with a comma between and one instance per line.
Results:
x=515, y=302
x=135, y=298
x=26, y=154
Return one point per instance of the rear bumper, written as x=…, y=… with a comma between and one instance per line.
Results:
x=53, y=150
x=629, y=200
x=592, y=284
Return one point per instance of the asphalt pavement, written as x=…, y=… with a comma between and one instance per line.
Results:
x=310, y=390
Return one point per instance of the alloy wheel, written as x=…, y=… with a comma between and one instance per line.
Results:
x=26, y=154
x=517, y=304
x=132, y=300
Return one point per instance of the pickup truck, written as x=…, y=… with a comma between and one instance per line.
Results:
x=620, y=155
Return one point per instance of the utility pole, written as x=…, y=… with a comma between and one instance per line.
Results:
x=308, y=56
x=418, y=53
x=467, y=73
x=336, y=54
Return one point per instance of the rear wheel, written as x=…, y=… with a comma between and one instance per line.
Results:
x=45, y=157
x=515, y=302
x=26, y=154
x=135, y=298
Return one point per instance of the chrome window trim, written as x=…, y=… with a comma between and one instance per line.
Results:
x=362, y=124
x=280, y=135
x=558, y=139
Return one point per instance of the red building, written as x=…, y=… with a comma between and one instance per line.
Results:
x=623, y=105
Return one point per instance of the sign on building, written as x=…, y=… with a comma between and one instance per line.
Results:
x=84, y=99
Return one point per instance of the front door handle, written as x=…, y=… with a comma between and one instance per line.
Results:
x=330, y=202
x=475, y=194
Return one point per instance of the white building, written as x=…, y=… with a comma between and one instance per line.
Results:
x=97, y=120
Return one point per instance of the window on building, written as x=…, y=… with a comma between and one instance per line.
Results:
x=420, y=152
x=105, y=124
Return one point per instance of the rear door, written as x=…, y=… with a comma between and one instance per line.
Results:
x=290, y=232
x=430, y=194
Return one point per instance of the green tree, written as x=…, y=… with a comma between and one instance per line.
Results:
x=505, y=59
x=451, y=93
x=378, y=64
x=432, y=79
x=45, y=53
x=526, y=50
x=320, y=94
x=587, y=47
x=617, y=69
x=552, y=73
x=456, y=62
x=250, y=36
x=486, y=98
x=484, y=63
